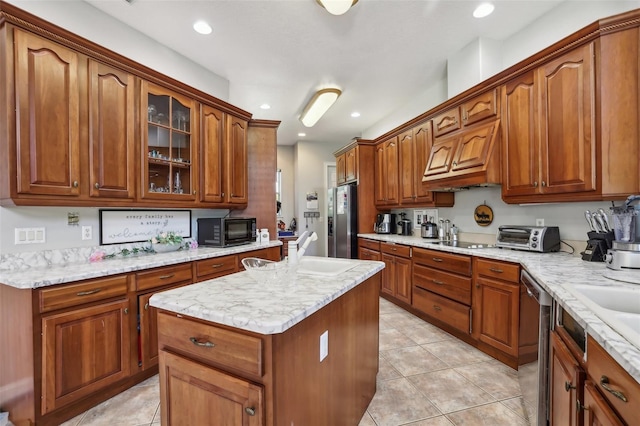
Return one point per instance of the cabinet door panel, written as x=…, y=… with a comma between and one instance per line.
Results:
x=111, y=132
x=47, y=114
x=567, y=379
x=351, y=165
x=422, y=140
x=341, y=169
x=148, y=332
x=598, y=412
x=498, y=326
x=520, y=134
x=213, y=397
x=441, y=157
x=83, y=351
x=568, y=122
x=212, y=155
x=406, y=166
x=379, y=172
x=236, y=161
x=388, y=275
x=473, y=148
x=391, y=174
x=403, y=279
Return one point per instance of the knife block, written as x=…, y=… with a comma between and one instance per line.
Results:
x=597, y=246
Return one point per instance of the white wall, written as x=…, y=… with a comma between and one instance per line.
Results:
x=85, y=20
x=287, y=197
x=309, y=176
x=476, y=62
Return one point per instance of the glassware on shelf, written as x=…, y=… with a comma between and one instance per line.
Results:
x=177, y=184
x=151, y=112
x=180, y=120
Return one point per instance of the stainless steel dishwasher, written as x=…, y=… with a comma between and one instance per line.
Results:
x=534, y=377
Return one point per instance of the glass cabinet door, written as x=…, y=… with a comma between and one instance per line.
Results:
x=170, y=144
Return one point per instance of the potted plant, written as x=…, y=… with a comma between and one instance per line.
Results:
x=166, y=241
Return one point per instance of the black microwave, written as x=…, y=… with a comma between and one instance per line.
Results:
x=226, y=231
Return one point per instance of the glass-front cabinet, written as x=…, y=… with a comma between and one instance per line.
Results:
x=170, y=144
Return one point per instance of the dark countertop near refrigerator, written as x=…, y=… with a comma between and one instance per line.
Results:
x=554, y=271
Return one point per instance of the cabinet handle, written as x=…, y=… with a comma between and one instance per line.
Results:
x=75, y=184
x=477, y=285
x=146, y=306
x=222, y=195
x=544, y=184
x=579, y=406
x=164, y=277
x=88, y=292
x=126, y=311
x=437, y=308
x=194, y=192
x=437, y=282
x=604, y=382
x=568, y=386
x=250, y=411
x=217, y=265
x=535, y=184
x=455, y=163
x=436, y=259
x=96, y=185
x=496, y=270
x=202, y=344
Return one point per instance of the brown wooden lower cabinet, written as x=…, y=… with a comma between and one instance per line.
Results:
x=396, y=275
x=596, y=410
x=566, y=384
x=212, y=374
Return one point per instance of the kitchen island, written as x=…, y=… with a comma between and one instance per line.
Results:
x=302, y=351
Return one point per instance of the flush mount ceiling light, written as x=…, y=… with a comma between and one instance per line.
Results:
x=265, y=106
x=318, y=105
x=202, y=27
x=485, y=9
x=337, y=7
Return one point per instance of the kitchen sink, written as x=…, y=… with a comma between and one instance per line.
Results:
x=327, y=266
x=618, y=306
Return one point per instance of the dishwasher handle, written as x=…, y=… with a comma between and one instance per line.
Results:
x=534, y=289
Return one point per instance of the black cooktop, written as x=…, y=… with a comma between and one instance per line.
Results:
x=462, y=244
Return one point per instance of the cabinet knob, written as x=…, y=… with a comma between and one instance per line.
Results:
x=535, y=184
x=96, y=185
x=146, y=306
x=75, y=184
x=455, y=163
x=568, y=386
x=544, y=184
x=604, y=382
x=126, y=311
x=250, y=411
x=194, y=192
x=477, y=285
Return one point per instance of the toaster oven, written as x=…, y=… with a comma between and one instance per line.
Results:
x=540, y=239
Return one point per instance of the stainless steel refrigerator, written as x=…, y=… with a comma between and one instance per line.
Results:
x=342, y=222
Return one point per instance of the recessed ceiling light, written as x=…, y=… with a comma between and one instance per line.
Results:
x=265, y=106
x=202, y=27
x=485, y=9
x=302, y=135
x=355, y=114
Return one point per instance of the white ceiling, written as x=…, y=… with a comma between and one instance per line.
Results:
x=280, y=52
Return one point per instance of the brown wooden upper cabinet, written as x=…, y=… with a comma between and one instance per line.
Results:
x=169, y=145
x=47, y=118
x=549, y=127
x=347, y=166
x=236, y=161
x=477, y=109
x=386, y=172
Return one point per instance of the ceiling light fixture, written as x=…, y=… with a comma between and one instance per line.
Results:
x=202, y=27
x=485, y=9
x=302, y=135
x=265, y=106
x=355, y=114
x=318, y=105
x=337, y=7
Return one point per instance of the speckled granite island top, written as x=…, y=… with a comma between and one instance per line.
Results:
x=554, y=271
x=239, y=301
x=74, y=269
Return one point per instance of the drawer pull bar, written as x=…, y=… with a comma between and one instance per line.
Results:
x=604, y=382
x=217, y=265
x=197, y=342
x=496, y=270
x=437, y=259
x=438, y=282
x=437, y=308
x=250, y=411
x=88, y=292
x=164, y=277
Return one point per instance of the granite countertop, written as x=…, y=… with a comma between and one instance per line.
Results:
x=61, y=272
x=239, y=301
x=554, y=271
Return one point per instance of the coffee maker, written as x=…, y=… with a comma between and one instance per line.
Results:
x=625, y=249
x=385, y=223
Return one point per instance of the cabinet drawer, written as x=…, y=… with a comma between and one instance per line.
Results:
x=449, y=312
x=164, y=276
x=443, y=283
x=216, y=267
x=455, y=263
x=479, y=108
x=500, y=270
x=76, y=294
x=366, y=254
x=370, y=244
x=211, y=343
x=396, y=250
x=599, y=365
x=268, y=253
x=446, y=122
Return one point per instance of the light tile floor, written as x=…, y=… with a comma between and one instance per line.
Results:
x=426, y=378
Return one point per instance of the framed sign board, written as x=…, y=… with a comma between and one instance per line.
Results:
x=130, y=226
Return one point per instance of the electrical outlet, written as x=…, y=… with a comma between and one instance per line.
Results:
x=539, y=222
x=324, y=345
x=87, y=233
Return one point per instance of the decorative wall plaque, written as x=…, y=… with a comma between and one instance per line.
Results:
x=483, y=215
x=129, y=226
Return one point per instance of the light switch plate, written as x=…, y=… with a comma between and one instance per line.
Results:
x=29, y=236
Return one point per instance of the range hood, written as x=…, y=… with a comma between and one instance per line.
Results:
x=466, y=159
